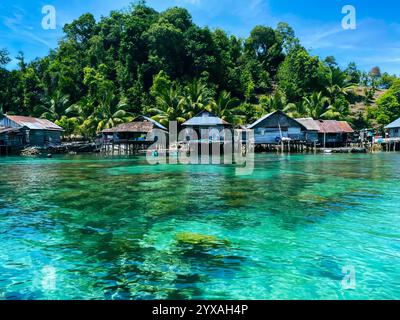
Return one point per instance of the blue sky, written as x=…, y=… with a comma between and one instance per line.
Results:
x=376, y=41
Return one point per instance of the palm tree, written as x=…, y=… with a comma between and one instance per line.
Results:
x=227, y=108
x=274, y=102
x=111, y=111
x=196, y=98
x=316, y=105
x=338, y=85
x=81, y=112
x=296, y=110
x=52, y=109
x=95, y=116
x=169, y=107
x=337, y=92
x=253, y=112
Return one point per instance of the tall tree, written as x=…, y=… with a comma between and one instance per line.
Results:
x=4, y=80
x=301, y=74
x=266, y=47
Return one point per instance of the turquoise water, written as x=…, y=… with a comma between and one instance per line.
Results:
x=93, y=228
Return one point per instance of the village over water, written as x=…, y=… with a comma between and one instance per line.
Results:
x=273, y=132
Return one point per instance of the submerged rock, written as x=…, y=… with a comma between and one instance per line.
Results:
x=200, y=240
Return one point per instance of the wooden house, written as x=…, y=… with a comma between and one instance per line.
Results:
x=136, y=130
x=393, y=129
x=11, y=138
x=21, y=131
x=275, y=128
x=132, y=136
x=311, y=132
x=207, y=126
x=326, y=133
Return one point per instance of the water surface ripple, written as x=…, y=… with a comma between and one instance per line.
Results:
x=86, y=227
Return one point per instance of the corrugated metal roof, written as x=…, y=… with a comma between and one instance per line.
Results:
x=34, y=123
x=309, y=123
x=326, y=126
x=345, y=126
x=205, y=118
x=157, y=124
x=394, y=124
x=333, y=126
x=260, y=120
x=269, y=115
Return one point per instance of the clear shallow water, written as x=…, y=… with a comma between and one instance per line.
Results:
x=95, y=228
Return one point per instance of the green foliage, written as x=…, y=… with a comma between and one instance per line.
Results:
x=196, y=97
x=274, y=102
x=161, y=83
x=169, y=103
x=70, y=125
x=265, y=46
x=296, y=110
x=81, y=30
x=140, y=61
x=286, y=36
x=228, y=109
x=53, y=107
x=4, y=57
x=301, y=74
x=387, y=106
x=317, y=106
x=352, y=73
x=387, y=80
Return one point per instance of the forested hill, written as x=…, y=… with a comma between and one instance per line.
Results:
x=140, y=61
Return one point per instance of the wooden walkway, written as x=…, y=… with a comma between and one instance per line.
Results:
x=124, y=147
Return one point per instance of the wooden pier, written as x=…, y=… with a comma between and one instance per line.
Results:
x=124, y=147
x=390, y=145
x=303, y=147
x=286, y=147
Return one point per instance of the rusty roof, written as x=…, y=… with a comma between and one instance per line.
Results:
x=333, y=126
x=140, y=127
x=346, y=127
x=326, y=126
x=34, y=123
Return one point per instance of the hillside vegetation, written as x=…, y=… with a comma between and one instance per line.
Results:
x=161, y=64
